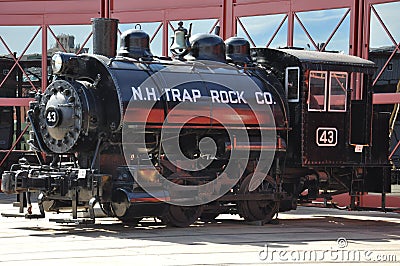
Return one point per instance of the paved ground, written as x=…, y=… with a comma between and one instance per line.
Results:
x=305, y=236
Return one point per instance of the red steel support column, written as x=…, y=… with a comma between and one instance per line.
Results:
x=356, y=43
x=290, y=33
x=365, y=29
x=228, y=21
x=107, y=8
x=356, y=27
x=165, y=35
x=44, y=56
x=102, y=9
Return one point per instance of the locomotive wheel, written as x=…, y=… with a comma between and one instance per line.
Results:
x=120, y=206
x=107, y=209
x=182, y=216
x=130, y=220
x=208, y=217
x=258, y=210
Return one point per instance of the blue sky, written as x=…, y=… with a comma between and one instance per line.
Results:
x=319, y=24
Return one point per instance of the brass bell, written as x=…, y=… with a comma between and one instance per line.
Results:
x=180, y=41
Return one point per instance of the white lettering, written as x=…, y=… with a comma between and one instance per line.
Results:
x=167, y=93
x=240, y=97
x=186, y=96
x=231, y=97
x=51, y=116
x=196, y=95
x=258, y=95
x=263, y=98
x=176, y=95
x=151, y=94
x=214, y=96
x=137, y=93
x=268, y=98
x=224, y=96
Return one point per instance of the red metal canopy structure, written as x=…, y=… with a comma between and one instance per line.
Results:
x=229, y=14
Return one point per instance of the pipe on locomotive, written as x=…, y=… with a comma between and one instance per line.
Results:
x=105, y=36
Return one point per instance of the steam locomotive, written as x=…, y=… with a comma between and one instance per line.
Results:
x=217, y=128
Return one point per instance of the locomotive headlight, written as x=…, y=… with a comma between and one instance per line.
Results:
x=57, y=63
x=64, y=62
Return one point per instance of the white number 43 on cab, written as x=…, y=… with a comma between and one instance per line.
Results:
x=326, y=136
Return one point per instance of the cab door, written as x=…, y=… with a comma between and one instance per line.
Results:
x=325, y=116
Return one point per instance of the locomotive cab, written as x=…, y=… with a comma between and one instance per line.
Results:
x=335, y=132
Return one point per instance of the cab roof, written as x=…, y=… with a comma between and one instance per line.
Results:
x=314, y=60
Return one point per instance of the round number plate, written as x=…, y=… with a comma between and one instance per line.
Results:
x=52, y=117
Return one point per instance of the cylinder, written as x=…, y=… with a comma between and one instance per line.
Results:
x=105, y=36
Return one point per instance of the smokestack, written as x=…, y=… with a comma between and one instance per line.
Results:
x=105, y=36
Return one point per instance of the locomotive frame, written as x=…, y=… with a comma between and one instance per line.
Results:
x=325, y=140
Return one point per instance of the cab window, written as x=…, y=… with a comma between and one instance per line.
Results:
x=337, y=91
x=317, y=91
x=292, y=84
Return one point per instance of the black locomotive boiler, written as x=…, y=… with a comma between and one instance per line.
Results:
x=215, y=129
